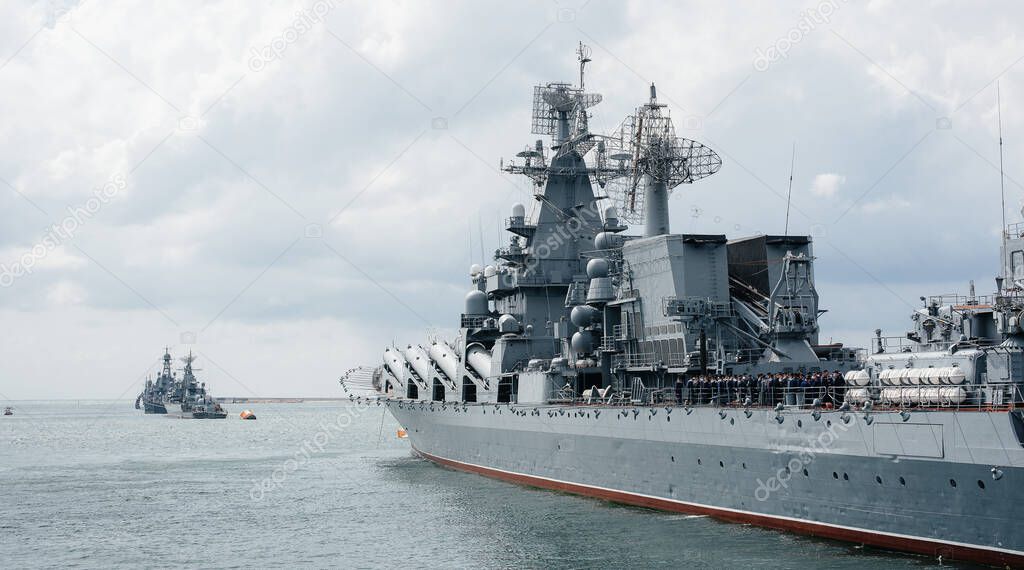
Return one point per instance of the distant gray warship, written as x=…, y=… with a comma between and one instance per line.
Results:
x=684, y=372
x=196, y=402
x=159, y=393
x=187, y=397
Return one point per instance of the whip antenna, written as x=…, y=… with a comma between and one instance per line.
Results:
x=1002, y=186
x=789, y=195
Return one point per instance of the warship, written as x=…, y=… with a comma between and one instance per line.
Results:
x=196, y=402
x=685, y=372
x=159, y=393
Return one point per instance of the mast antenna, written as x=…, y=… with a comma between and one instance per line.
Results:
x=789, y=195
x=1002, y=187
x=480, y=228
x=584, y=58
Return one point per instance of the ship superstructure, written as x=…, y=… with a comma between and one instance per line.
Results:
x=684, y=371
x=162, y=392
x=196, y=402
x=186, y=397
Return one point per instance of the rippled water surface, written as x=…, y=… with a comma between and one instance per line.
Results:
x=99, y=484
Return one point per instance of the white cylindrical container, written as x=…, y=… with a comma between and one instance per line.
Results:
x=445, y=359
x=419, y=361
x=478, y=359
x=394, y=362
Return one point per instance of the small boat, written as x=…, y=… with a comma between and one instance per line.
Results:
x=247, y=415
x=8, y=411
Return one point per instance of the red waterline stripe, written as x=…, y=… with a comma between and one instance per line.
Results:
x=907, y=544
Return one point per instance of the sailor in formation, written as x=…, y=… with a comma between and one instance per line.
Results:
x=790, y=388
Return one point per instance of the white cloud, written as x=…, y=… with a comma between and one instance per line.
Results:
x=206, y=220
x=65, y=293
x=885, y=205
x=827, y=185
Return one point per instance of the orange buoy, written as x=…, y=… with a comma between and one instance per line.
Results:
x=402, y=434
x=247, y=415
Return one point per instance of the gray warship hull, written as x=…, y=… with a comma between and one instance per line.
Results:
x=686, y=371
x=151, y=407
x=202, y=415
x=846, y=481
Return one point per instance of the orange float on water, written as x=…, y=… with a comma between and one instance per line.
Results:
x=402, y=434
x=247, y=415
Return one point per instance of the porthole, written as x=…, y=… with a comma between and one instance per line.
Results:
x=806, y=474
x=732, y=421
x=673, y=458
x=744, y=464
x=952, y=482
x=981, y=484
x=878, y=479
x=835, y=475
x=721, y=464
x=903, y=482
x=698, y=461
x=828, y=423
x=846, y=477
x=799, y=423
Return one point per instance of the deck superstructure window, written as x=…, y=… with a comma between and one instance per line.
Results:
x=1017, y=264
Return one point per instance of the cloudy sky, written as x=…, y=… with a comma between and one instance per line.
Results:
x=287, y=187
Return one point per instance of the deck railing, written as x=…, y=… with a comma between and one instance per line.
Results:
x=993, y=396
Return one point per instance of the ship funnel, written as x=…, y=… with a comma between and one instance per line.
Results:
x=656, y=199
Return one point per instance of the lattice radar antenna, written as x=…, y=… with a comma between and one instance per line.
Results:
x=648, y=148
x=188, y=360
x=560, y=111
x=562, y=107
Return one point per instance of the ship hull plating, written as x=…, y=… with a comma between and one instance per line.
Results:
x=821, y=477
x=152, y=407
x=202, y=415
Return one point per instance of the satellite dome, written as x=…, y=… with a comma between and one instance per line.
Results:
x=489, y=271
x=610, y=213
x=597, y=267
x=607, y=240
x=476, y=302
x=508, y=324
x=582, y=342
x=582, y=315
x=475, y=270
x=518, y=210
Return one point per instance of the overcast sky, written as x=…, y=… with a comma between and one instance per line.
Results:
x=285, y=188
